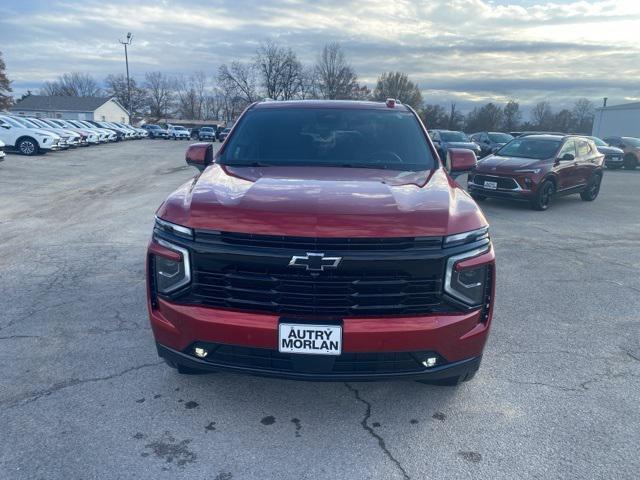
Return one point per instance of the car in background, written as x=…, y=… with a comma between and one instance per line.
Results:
x=224, y=133
x=446, y=139
x=155, y=131
x=631, y=148
x=76, y=139
x=66, y=140
x=178, y=132
x=106, y=134
x=92, y=137
x=27, y=141
x=489, y=142
x=613, y=156
x=120, y=135
x=534, y=132
x=2, y=154
x=207, y=133
x=536, y=168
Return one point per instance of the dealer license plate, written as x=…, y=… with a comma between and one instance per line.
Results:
x=310, y=339
x=490, y=185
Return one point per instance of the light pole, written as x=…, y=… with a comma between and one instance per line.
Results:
x=126, y=59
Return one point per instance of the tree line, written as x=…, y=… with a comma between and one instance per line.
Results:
x=276, y=72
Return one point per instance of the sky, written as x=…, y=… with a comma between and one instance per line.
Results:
x=467, y=51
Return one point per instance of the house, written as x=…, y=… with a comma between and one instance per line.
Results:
x=617, y=120
x=73, y=108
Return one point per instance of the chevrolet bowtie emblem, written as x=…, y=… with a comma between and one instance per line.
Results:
x=315, y=262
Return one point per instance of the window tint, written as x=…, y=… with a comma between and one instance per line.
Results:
x=330, y=137
x=528, y=147
x=454, y=137
x=500, y=137
x=568, y=147
x=584, y=149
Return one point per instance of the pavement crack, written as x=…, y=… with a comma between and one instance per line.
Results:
x=365, y=425
x=72, y=382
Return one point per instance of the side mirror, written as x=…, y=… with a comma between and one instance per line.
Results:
x=199, y=155
x=495, y=149
x=460, y=160
x=567, y=157
x=7, y=127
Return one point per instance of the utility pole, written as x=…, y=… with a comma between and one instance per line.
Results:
x=126, y=43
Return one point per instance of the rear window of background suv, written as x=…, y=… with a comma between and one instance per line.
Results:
x=329, y=137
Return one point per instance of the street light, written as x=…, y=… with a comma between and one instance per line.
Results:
x=126, y=59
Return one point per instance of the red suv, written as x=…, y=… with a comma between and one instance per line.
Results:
x=536, y=168
x=323, y=241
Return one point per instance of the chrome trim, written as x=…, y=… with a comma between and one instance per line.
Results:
x=185, y=261
x=464, y=237
x=178, y=229
x=449, y=271
x=517, y=189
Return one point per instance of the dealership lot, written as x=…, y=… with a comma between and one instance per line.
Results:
x=83, y=394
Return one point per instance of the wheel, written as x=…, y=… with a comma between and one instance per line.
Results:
x=28, y=146
x=590, y=193
x=630, y=161
x=543, y=195
x=478, y=198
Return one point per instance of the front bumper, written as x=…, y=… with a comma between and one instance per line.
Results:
x=456, y=339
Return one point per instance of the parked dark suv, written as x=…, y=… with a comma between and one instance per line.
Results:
x=631, y=148
x=323, y=241
x=489, y=142
x=446, y=139
x=536, y=168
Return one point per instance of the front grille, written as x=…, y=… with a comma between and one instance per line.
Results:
x=504, y=183
x=346, y=363
x=324, y=294
x=317, y=244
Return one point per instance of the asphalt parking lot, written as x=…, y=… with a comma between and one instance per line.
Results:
x=83, y=394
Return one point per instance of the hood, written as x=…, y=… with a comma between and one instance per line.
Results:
x=610, y=150
x=323, y=202
x=50, y=133
x=495, y=163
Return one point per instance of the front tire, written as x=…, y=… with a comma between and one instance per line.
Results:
x=543, y=196
x=28, y=146
x=590, y=193
x=630, y=161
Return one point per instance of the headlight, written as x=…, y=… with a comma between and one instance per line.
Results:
x=466, y=237
x=528, y=170
x=174, y=229
x=467, y=284
x=174, y=272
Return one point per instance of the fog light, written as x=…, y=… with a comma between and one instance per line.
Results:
x=200, y=352
x=429, y=362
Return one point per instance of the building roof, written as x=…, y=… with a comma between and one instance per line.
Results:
x=67, y=104
x=624, y=106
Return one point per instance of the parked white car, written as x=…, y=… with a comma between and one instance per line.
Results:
x=178, y=132
x=91, y=137
x=27, y=141
x=2, y=154
x=65, y=139
x=68, y=137
x=106, y=135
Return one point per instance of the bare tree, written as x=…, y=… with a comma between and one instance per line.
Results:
x=583, y=113
x=434, y=116
x=542, y=116
x=238, y=80
x=280, y=71
x=74, y=84
x=116, y=86
x=5, y=87
x=455, y=119
x=160, y=91
x=335, y=78
x=511, y=116
x=397, y=85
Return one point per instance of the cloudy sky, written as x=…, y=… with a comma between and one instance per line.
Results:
x=463, y=50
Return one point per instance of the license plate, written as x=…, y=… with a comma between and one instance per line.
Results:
x=310, y=339
x=490, y=185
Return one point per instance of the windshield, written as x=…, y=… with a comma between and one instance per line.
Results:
x=23, y=122
x=330, y=137
x=632, y=141
x=152, y=127
x=206, y=129
x=39, y=123
x=454, y=136
x=500, y=137
x=179, y=128
x=528, y=147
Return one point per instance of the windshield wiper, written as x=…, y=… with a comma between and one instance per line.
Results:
x=249, y=164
